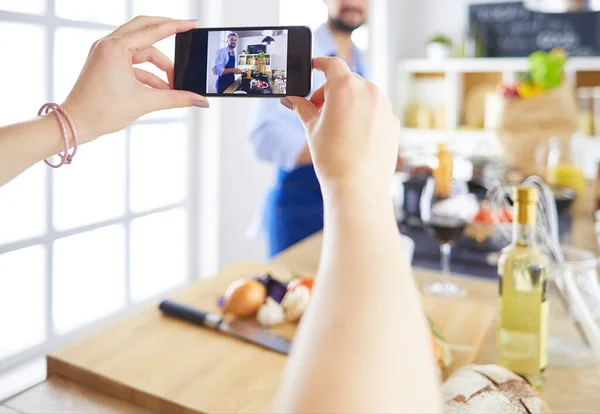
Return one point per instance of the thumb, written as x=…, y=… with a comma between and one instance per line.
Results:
x=167, y=99
x=306, y=110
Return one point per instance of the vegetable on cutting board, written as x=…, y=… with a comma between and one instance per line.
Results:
x=301, y=281
x=270, y=313
x=275, y=289
x=295, y=303
x=244, y=297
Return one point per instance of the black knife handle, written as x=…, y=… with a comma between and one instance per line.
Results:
x=188, y=314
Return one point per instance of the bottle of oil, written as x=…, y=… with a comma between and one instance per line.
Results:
x=443, y=173
x=523, y=319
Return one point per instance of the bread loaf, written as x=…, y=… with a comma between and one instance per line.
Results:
x=489, y=389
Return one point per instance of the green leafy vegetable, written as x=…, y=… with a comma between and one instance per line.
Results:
x=547, y=68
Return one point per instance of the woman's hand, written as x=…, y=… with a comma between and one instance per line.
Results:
x=352, y=133
x=110, y=93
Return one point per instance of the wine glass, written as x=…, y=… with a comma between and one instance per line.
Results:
x=446, y=213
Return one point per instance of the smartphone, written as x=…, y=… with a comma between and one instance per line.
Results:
x=262, y=62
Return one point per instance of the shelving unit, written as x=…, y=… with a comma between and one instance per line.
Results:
x=444, y=84
x=247, y=61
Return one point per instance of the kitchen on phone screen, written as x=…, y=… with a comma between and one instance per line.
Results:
x=245, y=62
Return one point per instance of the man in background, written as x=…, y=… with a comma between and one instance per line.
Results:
x=294, y=207
x=224, y=66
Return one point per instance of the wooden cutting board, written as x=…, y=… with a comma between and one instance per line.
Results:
x=170, y=366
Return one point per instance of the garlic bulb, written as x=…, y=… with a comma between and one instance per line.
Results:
x=295, y=303
x=270, y=314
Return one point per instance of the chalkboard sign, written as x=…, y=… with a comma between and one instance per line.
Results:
x=256, y=49
x=510, y=30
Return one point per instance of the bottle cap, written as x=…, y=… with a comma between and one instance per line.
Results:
x=526, y=194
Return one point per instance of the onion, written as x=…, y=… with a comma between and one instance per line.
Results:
x=243, y=298
x=275, y=289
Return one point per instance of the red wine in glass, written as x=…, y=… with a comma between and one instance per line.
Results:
x=447, y=229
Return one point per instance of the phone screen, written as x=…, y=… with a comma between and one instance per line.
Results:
x=245, y=62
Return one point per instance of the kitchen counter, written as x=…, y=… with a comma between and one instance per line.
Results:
x=568, y=390
x=276, y=90
x=236, y=84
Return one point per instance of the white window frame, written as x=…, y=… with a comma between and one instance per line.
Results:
x=51, y=22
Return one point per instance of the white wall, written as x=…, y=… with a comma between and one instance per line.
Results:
x=244, y=181
x=278, y=51
x=413, y=22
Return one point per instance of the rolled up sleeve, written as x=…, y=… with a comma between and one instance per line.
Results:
x=276, y=134
x=221, y=60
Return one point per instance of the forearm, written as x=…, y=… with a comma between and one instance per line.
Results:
x=24, y=144
x=365, y=319
x=228, y=71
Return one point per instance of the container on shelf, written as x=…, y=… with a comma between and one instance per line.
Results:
x=424, y=117
x=596, y=111
x=586, y=113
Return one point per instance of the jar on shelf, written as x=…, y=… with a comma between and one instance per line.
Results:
x=561, y=166
x=586, y=114
x=596, y=109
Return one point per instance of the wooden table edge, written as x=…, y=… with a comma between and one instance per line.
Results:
x=112, y=388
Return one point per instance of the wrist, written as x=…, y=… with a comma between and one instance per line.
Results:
x=356, y=190
x=76, y=113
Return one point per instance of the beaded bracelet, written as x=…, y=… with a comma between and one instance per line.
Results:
x=59, y=112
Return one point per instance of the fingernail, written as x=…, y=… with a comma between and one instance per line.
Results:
x=202, y=104
x=287, y=103
x=196, y=21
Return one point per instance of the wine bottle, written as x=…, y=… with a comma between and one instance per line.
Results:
x=523, y=319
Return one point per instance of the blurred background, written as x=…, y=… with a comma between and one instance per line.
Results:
x=172, y=198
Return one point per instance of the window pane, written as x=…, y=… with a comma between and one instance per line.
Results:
x=23, y=205
x=22, y=299
x=92, y=188
x=107, y=11
x=70, y=52
x=23, y=83
x=158, y=253
x=158, y=165
x=27, y=6
x=89, y=277
x=176, y=9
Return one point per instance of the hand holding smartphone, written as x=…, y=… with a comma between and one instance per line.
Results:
x=262, y=62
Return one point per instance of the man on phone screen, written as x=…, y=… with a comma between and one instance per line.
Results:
x=294, y=207
x=224, y=66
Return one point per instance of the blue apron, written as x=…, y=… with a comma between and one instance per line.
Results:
x=225, y=81
x=294, y=207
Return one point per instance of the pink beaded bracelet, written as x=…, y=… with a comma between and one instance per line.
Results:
x=59, y=112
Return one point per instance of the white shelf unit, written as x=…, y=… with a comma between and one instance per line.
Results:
x=579, y=71
x=243, y=61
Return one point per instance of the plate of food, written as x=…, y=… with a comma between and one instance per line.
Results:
x=256, y=83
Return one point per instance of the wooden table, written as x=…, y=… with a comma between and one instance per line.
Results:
x=568, y=390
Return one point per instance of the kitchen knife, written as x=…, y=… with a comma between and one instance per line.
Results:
x=238, y=328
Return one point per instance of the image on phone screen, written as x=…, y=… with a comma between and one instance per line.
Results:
x=251, y=62
x=248, y=61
